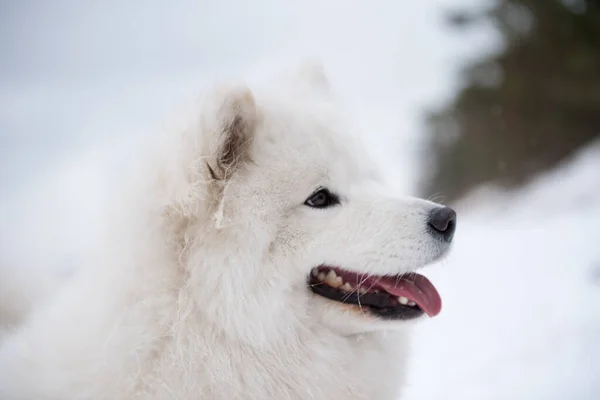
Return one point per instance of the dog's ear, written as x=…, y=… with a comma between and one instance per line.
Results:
x=229, y=141
x=314, y=74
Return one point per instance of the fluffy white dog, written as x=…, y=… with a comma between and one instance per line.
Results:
x=254, y=256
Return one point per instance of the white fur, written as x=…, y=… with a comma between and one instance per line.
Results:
x=199, y=291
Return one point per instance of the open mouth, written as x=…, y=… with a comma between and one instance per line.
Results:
x=400, y=297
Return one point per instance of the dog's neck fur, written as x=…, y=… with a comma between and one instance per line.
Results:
x=180, y=344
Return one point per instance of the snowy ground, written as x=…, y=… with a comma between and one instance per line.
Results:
x=521, y=317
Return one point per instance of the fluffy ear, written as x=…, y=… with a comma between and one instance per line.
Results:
x=313, y=73
x=230, y=140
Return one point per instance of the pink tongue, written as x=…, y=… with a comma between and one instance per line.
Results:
x=414, y=287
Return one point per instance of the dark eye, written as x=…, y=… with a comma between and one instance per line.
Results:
x=322, y=198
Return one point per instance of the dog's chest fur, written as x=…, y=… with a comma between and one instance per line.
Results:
x=161, y=357
x=321, y=366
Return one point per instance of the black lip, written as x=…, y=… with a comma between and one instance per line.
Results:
x=382, y=305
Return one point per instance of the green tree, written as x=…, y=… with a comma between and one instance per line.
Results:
x=527, y=107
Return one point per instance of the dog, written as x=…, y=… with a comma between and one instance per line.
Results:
x=255, y=255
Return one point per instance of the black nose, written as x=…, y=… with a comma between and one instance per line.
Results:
x=442, y=222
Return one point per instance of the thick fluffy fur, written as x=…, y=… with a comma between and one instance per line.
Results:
x=200, y=290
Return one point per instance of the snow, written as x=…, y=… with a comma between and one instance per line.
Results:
x=521, y=290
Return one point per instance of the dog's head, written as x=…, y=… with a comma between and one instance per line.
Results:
x=294, y=226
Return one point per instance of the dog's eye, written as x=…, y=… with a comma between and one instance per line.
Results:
x=322, y=198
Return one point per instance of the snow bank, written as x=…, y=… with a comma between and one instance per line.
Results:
x=521, y=291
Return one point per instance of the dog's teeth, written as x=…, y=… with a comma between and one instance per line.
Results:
x=412, y=303
x=362, y=290
x=333, y=280
x=321, y=276
x=315, y=272
x=347, y=287
x=403, y=300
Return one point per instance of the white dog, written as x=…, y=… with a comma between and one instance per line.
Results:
x=255, y=256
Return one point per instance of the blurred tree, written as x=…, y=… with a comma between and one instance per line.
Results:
x=525, y=108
